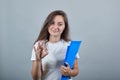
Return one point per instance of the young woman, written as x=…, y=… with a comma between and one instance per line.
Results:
x=50, y=49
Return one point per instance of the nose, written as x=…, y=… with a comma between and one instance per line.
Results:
x=55, y=26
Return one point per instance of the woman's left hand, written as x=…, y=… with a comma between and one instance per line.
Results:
x=65, y=70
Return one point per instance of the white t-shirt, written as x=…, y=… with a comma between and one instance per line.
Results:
x=52, y=62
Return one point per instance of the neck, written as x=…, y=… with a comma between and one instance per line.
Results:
x=54, y=39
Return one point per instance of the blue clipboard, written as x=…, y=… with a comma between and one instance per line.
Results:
x=71, y=55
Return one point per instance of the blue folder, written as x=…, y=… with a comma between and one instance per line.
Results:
x=71, y=55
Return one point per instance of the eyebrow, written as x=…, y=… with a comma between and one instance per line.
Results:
x=60, y=22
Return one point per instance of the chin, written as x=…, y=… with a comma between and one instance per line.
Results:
x=56, y=34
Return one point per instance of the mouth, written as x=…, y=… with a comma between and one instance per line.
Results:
x=55, y=31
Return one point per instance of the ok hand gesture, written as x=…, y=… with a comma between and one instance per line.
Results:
x=40, y=50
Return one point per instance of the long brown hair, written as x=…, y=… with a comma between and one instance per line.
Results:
x=44, y=34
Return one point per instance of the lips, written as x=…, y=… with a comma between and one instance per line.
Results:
x=54, y=30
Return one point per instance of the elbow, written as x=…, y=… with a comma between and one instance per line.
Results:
x=75, y=73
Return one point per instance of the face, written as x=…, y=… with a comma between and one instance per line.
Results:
x=57, y=26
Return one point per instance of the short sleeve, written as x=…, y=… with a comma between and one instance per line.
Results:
x=77, y=55
x=33, y=56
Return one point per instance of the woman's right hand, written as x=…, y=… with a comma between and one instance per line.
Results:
x=40, y=50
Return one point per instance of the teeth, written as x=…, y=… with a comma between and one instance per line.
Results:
x=55, y=30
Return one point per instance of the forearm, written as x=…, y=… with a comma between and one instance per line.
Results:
x=75, y=71
x=36, y=70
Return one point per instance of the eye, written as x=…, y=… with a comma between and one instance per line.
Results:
x=60, y=24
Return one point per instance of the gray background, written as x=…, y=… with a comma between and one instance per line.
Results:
x=95, y=22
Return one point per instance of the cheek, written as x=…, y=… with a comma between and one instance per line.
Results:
x=62, y=29
x=49, y=29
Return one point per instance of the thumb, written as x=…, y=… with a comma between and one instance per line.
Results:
x=67, y=64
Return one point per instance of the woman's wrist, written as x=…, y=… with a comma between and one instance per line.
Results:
x=70, y=73
x=38, y=59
